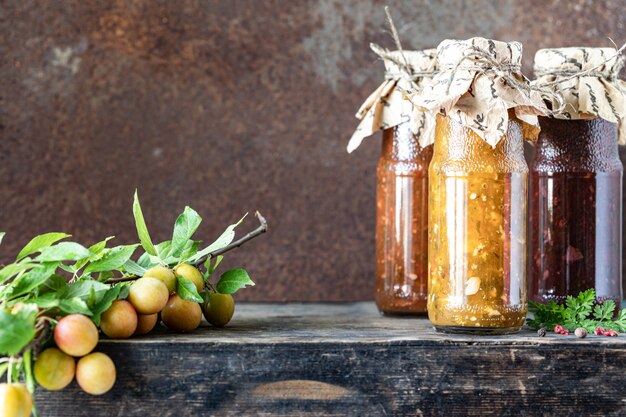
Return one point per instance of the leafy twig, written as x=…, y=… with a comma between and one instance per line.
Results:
x=262, y=228
x=256, y=232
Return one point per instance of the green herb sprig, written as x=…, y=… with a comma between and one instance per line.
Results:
x=581, y=311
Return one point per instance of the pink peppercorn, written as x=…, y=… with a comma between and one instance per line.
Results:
x=558, y=329
x=610, y=333
x=599, y=331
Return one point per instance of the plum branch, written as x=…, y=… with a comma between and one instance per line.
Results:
x=262, y=228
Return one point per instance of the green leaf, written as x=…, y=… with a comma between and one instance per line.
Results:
x=191, y=248
x=147, y=261
x=48, y=300
x=187, y=290
x=104, y=276
x=82, y=289
x=64, y=251
x=3, y=369
x=164, y=248
x=40, y=242
x=13, y=269
x=621, y=320
x=16, y=330
x=113, y=259
x=105, y=302
x=96, y=248
x=604, y=311
x=74, y=306
x=92, y=299
x=134, y=268
x=142, y=229
x=33, y=279
x=124, y=290
x=233, y=280
x=186, y=225
x=212, y=268
x=224, y=240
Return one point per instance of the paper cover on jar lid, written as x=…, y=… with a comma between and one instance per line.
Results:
x=478, y=81
x=587, y=79
x=388, y=107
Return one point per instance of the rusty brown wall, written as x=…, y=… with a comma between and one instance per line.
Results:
x=226, y=106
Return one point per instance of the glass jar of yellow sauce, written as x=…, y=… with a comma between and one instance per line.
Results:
x=478, y=186
x=477, y=231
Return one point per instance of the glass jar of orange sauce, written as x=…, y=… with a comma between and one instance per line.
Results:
x=402, y=172
x=478, y=187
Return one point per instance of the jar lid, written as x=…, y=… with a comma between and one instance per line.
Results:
x=478, y=81
x=453, y=54
x=587, y=80
x=387, y=106
x=600, y=62
x=403, y=64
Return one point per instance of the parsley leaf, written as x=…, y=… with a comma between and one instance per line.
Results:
x=580, y=311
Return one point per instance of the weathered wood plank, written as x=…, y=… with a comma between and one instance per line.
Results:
x=298, y=360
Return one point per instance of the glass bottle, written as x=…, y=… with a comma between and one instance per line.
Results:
x=477, y=225
x=402, y=223
x=575, y=233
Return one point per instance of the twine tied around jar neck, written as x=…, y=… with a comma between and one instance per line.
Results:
x=505, y=71
x=611, y=76
x=406, y=71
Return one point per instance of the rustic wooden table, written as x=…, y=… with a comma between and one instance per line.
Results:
x=346, y=359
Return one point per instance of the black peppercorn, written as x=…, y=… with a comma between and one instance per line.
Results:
x=541, y=332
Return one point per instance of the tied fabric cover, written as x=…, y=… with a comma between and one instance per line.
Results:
x=387, y=106
x=478, y=81
x=586, y=78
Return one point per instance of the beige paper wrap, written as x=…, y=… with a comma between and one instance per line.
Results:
x=478, y=81
x=387, y=106
x=586, y=78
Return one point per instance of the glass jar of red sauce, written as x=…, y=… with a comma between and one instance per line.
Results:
x=575, y=211
x=402, y=223
x=402, y=190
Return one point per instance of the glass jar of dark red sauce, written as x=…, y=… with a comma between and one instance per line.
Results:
x=575, y=210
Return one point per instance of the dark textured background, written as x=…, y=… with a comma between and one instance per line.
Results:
x=226, y=106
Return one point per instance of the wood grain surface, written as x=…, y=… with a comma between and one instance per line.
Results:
x=347, y=360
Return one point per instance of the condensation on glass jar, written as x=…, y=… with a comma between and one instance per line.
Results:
x=575, y=234
x=477, y=222
x=402, y=223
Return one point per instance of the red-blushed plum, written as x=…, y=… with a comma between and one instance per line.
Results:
x=76, y=335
